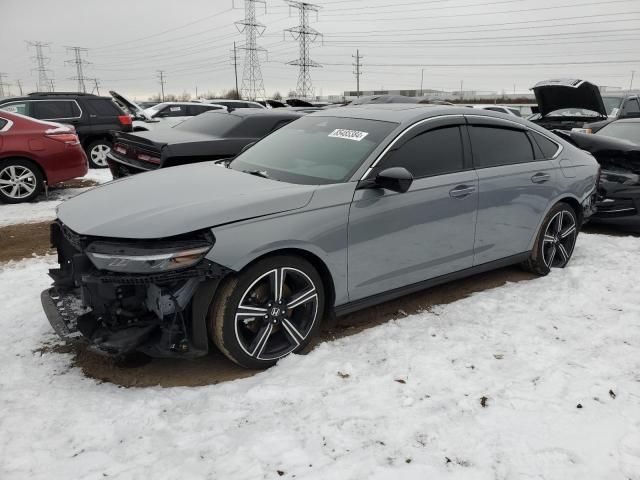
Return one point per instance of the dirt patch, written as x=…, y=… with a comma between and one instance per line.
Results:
x=75, y=183
x=141, y=371
x=24, y=241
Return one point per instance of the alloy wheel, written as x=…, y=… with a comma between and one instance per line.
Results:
x=276, y=313
x=17, y=181
x=559, y=239
x=99, y=154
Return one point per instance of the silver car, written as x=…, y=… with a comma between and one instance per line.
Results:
x=337, y=211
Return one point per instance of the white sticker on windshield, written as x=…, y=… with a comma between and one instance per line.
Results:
x=348, y=134
x=175, y=109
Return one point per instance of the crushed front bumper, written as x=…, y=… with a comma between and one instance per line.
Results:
x=62, y=312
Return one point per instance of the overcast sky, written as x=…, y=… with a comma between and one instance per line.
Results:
x=487, y=44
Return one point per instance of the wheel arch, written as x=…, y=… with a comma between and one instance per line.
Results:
x=314, y=260
x=569, y=199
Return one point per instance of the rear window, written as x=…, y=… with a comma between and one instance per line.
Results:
x=210, y=123
x=55, y=109
x=103, y=107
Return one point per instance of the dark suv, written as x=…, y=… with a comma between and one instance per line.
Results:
x=92, y=116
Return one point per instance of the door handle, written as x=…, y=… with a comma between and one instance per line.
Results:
x=540, y=177
x=461, y=191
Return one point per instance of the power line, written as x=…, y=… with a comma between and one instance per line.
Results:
x=305, y=36
x=252, y=84
x=357, y=72
x=79, y=62
x=44, y=82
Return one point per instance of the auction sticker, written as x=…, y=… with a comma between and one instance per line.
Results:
x=348, y=134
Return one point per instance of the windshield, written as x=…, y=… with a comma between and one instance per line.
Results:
x=625, y=131
x=210, y=123
x=612, y=105
x=574, y=112
x=315, y=150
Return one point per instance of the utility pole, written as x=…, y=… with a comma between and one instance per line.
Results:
x=305, y=36
x=52, y=85
x=96, y=86
x=2, y=85
x=633, y=72
x=162, y=82
x=79, y=62
x=235, y=68
x=19, y=84
x=422, y=83
x=252, y=84
x=461, y=90
x=44, y=84
x=357, y=71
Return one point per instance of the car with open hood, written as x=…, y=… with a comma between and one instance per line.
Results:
x=336, y=211
x=568, y=103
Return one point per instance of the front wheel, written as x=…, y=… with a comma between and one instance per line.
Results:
x=97, y=153
x=556, y=240
x=268, y=311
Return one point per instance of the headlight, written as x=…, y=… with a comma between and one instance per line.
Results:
x=133, y=259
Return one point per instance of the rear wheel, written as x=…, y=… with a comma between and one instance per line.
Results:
x=556, y=240
x=20, y=180
x=268, y=311
x=97, y=153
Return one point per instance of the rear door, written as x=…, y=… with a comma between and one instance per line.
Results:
x=516, y=186
x=398, y=239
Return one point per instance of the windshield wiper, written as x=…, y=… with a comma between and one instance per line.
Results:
x=257, y=173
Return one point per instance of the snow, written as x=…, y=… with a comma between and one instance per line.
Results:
x=45, y=209
x=401, y=400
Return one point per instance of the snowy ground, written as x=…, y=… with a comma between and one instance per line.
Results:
x=399, y=401
x=45, y=208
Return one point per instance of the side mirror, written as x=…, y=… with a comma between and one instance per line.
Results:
x=396, y=179
x=247, y=147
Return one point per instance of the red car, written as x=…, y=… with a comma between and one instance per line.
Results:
x=32, y=153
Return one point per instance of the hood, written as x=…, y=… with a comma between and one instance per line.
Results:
x=554, y=95
x=177, y=200
x=134, y=108
x=165, y=136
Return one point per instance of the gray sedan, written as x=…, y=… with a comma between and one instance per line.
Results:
x=337, y=211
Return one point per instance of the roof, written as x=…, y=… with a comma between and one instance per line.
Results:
x=273, y=113
x=54, y=95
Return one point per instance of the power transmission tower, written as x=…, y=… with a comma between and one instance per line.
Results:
x=357, y=72
x=252, y=84
x=162, y=82
x=305, y=36
x=19, y=85
x=96, y=86
x=79, y=62
x=44, y=83
x=2, y=85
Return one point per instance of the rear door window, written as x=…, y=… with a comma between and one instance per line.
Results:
x=55, y=109
x=22, y=108
x=3, y=123
x=495, y=146
x=434, y=152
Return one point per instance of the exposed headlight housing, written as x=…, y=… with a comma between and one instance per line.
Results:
x=120, y=258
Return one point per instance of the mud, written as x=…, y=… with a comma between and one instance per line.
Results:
x=24, y=241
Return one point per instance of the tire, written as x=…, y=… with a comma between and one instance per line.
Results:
x=97, y=153
x=20, y=180
x=555, y=241
x=261, y=331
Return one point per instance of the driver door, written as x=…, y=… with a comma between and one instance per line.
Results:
x=399, y=239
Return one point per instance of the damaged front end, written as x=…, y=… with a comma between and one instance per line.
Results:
x=122, y=296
